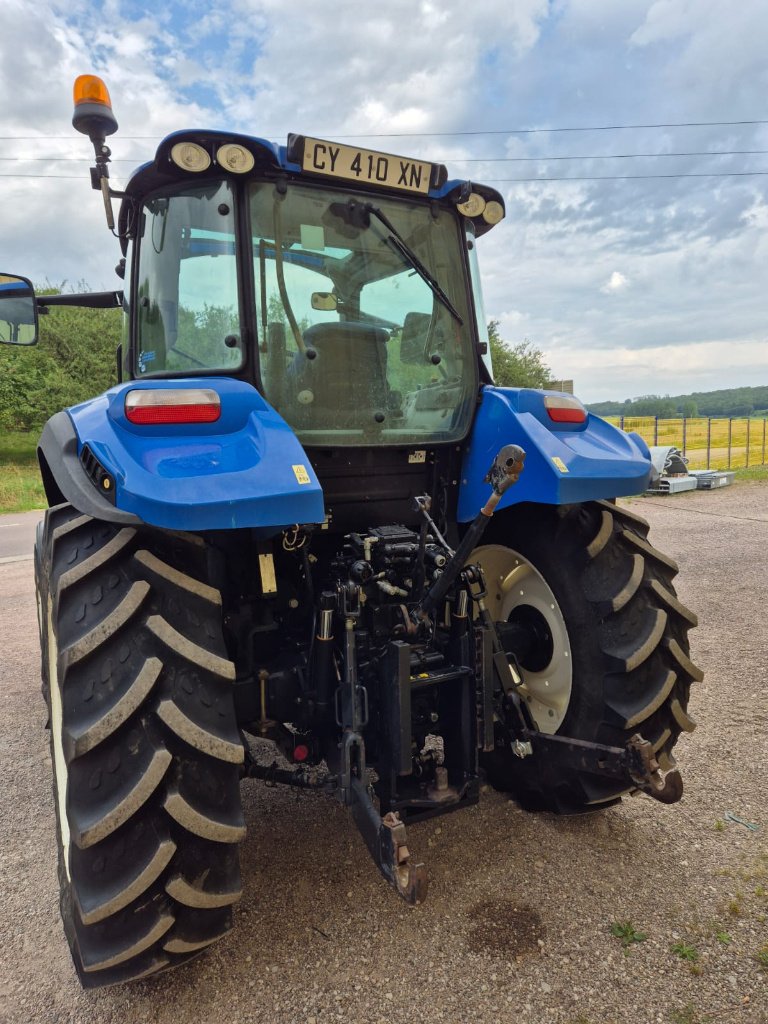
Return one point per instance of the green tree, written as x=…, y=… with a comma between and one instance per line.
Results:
x=520, y=366
x=74, y=360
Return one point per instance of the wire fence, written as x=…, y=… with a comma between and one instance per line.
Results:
x=706, y=443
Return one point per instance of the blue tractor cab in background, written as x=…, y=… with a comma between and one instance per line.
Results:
x=306, y=514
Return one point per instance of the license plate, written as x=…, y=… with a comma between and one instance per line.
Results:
x=365, y=166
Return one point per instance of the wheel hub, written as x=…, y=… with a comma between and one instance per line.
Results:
x=531, y=625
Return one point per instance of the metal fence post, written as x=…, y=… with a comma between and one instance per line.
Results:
x=655, y=430
x=709, y=441
x=730, y=434
x=685, y=434
x=621, y=422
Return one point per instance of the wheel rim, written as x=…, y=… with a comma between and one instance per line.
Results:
x=514, y=586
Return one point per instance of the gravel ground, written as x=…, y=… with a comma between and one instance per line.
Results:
x=518, y=922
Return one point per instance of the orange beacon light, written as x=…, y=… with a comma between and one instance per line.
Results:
x=93, y=108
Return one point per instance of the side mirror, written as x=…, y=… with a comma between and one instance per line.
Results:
x=414, y=339
x=18, y=311
x=324, y=300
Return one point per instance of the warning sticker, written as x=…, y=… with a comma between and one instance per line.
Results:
x=302, y=476
x=560, y=464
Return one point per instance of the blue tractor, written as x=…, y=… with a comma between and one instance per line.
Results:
x=306, y=515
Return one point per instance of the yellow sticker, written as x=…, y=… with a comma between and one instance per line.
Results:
x=302, y=476
x=560, y=464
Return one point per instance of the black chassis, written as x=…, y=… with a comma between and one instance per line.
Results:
x=400, y=690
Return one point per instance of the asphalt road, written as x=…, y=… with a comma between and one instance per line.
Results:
x=17, y=535
x=518, y=924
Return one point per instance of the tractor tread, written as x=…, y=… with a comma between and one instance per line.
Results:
x=68, y=527
x=629, y=640
x=633, y=715
x=148, y=737
x=100, y=558
x=189, y=650
x=107, y=628
x=631, y=655
x=178, y=945
x=101, y=962
x=683, y=661
x=193, y=539
x=672, y=604
x=93, y=830
x=144, y=966
x=661, y=740
x=650, y=551
x=200, y=823
x=683, y=719
x=622, y=513
x=192, y=896
x=632, y=585
x=126, y=891
x=179, y=579
x=202, y=739
x=84, y=737
x=602, y=536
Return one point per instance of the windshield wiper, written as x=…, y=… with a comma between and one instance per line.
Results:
x=410, y=257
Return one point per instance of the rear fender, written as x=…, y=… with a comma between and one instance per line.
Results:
x=245, y=470
x=565, y=463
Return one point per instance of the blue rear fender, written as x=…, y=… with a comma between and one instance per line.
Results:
x=565, y=463
x=247, y=469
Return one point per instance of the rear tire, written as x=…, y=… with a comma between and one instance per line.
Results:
x=144, y=742
x=627, y=644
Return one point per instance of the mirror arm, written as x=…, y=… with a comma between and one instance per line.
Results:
x=91, y=300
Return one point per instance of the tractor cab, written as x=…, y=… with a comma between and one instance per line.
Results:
x=351, y=311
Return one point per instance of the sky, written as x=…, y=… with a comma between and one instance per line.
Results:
x=654, y=281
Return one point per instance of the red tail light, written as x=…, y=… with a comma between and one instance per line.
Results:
x=565, y=409
x=172, y=405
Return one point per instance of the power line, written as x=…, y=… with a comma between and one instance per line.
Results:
x=597, y=156
x=496, y=181
x=61, y=177
x=537, y=131
x=431, y=135
x=453, y=160
x=631, y=177
x=74, y=138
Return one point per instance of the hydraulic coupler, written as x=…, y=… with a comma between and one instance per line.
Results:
x=505, y=471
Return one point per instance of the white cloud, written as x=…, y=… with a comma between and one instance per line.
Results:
x=617, y=282
x=666, y=369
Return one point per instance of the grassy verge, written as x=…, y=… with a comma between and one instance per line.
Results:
x=753, y=473
x=21, y=488
x=18, y=448
x=20, y=485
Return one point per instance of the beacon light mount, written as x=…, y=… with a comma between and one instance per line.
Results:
x=93, y=117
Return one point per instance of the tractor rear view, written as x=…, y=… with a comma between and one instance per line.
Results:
x=306, y=515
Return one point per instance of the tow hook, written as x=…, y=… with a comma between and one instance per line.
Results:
x=635, y=763
x=667, y=789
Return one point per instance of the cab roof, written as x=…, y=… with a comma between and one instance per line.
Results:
x=273, y=160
